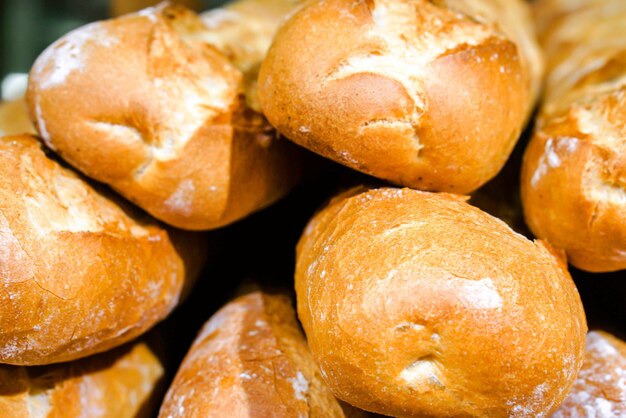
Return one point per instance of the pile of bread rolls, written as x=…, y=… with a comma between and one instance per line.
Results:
x=136, y=173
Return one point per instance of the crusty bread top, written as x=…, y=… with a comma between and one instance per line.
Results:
x=418, y=304
x=600, y=389
x=574, y=181
x=116, y=384
x=251, y=360
x=80, y=272
x=574, y=172
x=414, y=92
x=146, y=105
x=513, y=18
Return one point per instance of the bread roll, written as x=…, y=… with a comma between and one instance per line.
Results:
x=574, y=172
x=430, y=95
x=149, y=106
x=116, y=384
x=600, y=389
x=14, y=119
x=243, y=30
x=417, y=304
x=79, y=274
x=251, y=360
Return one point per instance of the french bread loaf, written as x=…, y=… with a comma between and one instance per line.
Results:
x=417, y=304
x=147, y=104
x=574, y=173
x=427, y=94
x=80, y=272
x=251, y=360
x=116, y=384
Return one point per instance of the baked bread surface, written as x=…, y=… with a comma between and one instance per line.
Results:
x=574, y=172
x=417, y=304
x=430, y=95
x=146, y=104
x=80, y=272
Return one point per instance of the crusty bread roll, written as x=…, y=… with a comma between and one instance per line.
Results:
x=14, y=119
x=574, y=172
x=251, y=360
x=116, y=384
x=600, y=389
x=243, y=30
x=417, y=304
x=147, y=105
x=430, y=95
x=79, y=273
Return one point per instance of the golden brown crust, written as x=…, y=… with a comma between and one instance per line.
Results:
x=414, y=92
x=164, y=121
x=574, y=171
x=79, y=273
x=600, y=389
x=251, y=360
x=14, y=118
x=116, y=384
x=417, y=304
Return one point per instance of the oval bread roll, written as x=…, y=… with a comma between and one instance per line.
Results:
x=427, y=94
x=145, y=104
x=600, y=389
x=574, y=173
x=116, y=384
x=79, y=274
x=417, y=304
x=251, y=360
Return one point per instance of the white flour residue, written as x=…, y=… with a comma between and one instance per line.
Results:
x=421, y=372
x=41, y=125
x=379, y=15
x=478, y=294
x=527, y=408
x=551, y=157
x=600, y=346
x=215, y=18
x=150, y=13
x=67, y=55
x=348, y=158
x=300, y=386
x=182, y=199
x=38, y=404
x=600, y=389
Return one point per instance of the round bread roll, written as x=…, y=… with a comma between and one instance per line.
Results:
x=79, y=274
x=574, y=173
x=251, y=360
x=430, y=95
x=417, y=304
x=600, y=389
x=14, y=119
x=146, y=104
x=116, y=384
